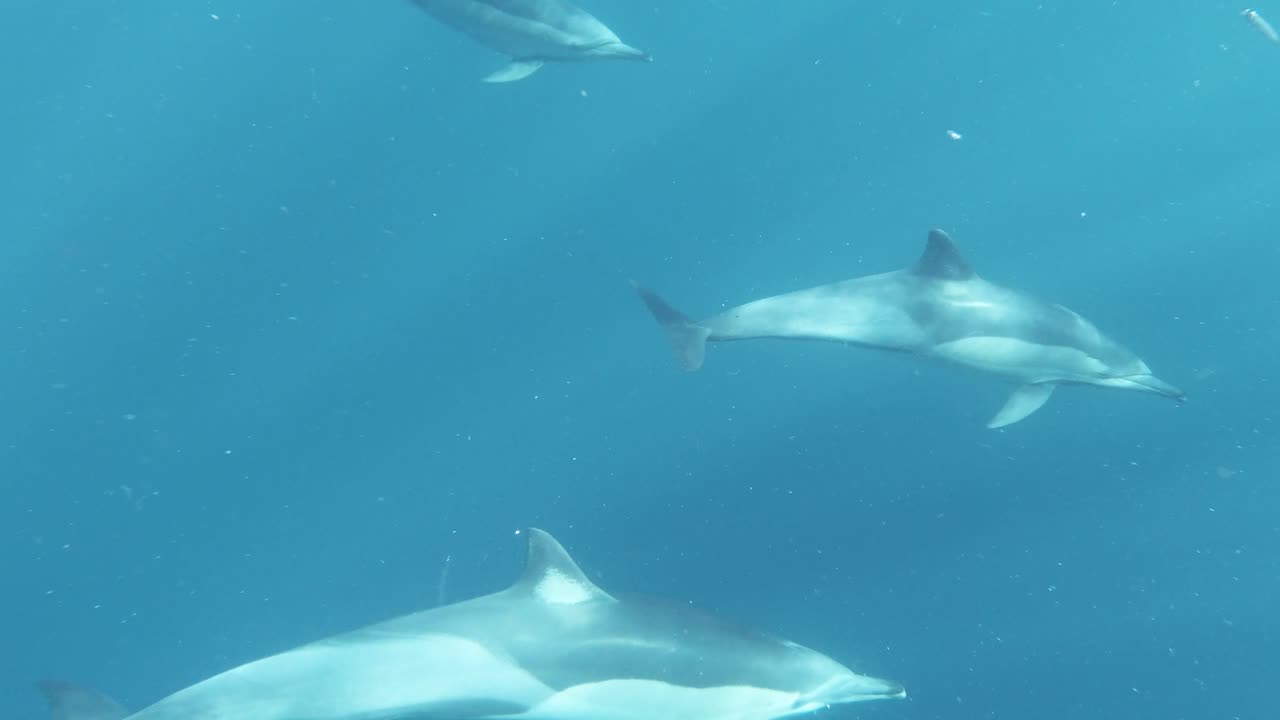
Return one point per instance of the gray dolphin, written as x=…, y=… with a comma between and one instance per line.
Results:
x=553, y=646
x=532, y=32
x=936, y=308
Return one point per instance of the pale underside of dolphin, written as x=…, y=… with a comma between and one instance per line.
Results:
x=553, y=646
x=532, y=32
x=937, y=308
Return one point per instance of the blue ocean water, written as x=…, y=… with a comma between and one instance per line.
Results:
x=295, y=308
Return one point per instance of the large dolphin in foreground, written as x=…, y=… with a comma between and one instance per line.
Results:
x=553, y=646
x=532, y=32
x=936, y=308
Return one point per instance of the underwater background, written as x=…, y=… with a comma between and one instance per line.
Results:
x=302, y=321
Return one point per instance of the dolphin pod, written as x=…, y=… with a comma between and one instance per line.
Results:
x=937, y=308
x=554, y=645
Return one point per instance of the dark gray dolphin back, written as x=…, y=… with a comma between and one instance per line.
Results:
x=528, y=9
x=536, y=10
x=648, y=639
x=587, y=635
x=1005, y=313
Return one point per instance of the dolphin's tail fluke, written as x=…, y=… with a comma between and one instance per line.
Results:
x=69, y=702
x=688, y=339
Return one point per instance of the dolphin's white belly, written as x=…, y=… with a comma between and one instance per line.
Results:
x=1020, y=360
x=650, y=699
x=371, y=679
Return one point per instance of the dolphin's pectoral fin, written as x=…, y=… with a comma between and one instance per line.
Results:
x=69, y=702
x=687, y=338
x=1024, y=401
x=517, y=70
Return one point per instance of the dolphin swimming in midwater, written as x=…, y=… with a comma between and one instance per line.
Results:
x=936, y=308
x=532, y=32
x=553, y=646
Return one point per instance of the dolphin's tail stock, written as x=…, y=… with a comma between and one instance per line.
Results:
x=688, y=339
x=69, y=702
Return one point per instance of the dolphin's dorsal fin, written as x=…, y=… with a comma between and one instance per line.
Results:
x=942, y=260
x=551, y=576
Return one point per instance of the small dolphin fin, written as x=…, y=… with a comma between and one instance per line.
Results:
x=1024, y=401
x=517, y=70
x=70, y=702
x=941, y=259
x=552, y=576
x=688, y=339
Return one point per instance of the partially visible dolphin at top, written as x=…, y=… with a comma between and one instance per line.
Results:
x=938, y=308
x=532, y=32
x=553, y=646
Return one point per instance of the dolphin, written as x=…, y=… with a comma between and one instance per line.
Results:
x=532, y=32
x=937, y=308
x=553, y=646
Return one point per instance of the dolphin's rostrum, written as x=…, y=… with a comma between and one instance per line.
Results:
x=553, y=646
x=532, y=32
x=939, y=308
